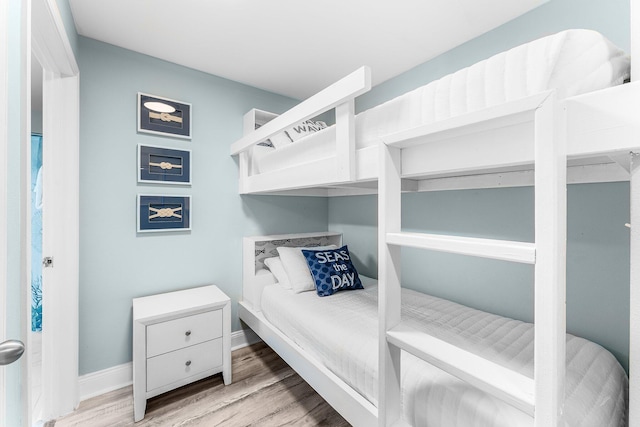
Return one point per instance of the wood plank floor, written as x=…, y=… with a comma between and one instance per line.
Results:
x=265, y=392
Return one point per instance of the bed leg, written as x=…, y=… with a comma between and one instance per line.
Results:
x=346, y=141
x=550, y=266
x=389, y=292
x=634, y=292
x=243, y=172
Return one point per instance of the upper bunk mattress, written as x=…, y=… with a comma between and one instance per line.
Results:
x=573, y=62
x=340, y=331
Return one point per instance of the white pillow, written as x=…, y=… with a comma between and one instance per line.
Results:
x=296, y=132
x=281, y=139
x=257, y=152
x=297, y=269
x=274, y=264
x=302, y=129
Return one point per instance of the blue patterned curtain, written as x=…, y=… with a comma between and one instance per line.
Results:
x=36, y=232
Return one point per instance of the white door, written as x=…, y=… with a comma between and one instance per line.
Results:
x=45, y=33
x=11, y=401
x=60, y=221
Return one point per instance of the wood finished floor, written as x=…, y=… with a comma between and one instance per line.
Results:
x=265, y=392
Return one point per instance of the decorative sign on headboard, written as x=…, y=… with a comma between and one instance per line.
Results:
x=268, y=248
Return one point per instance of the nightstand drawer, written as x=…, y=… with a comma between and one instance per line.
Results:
x=186, y=331
x=181, y=364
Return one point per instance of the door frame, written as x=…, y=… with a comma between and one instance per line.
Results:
x=51, y=46
x=4, y=140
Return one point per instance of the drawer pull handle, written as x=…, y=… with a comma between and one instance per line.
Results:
x=188, y=363
x=187, y=333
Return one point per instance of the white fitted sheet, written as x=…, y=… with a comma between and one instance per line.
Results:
x=572, y=62
x=341, y=332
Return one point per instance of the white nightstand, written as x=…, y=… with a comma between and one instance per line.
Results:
x=179, y=337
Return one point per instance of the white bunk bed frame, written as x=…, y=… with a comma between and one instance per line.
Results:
x=593, y=137
x=354, y=172
x=542, y=396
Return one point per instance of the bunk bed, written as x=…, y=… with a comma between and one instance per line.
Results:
x=536, y=131
x=343, y=159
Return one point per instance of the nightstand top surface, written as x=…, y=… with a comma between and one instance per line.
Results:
x=177, y=302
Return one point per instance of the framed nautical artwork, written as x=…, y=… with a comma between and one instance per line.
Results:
x=163, y=116
x=163, y=213
x=161, y=165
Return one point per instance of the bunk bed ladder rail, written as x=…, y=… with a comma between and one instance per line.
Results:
x=543, y=396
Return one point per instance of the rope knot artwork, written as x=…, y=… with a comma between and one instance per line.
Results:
x=165, y=212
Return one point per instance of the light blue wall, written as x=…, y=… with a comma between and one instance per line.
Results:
x=598, y=242
x=116, y=264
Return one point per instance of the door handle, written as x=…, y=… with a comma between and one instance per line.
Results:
x=10, y=351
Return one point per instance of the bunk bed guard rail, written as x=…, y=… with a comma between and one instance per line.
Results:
x=341, y=96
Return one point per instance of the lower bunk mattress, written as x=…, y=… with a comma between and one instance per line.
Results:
x=340, y=331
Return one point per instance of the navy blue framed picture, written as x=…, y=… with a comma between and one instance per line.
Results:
x=163, y=116
x=164, y=213
x=161, y=165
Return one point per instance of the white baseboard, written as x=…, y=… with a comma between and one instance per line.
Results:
x=100, y=382
x=243, y=338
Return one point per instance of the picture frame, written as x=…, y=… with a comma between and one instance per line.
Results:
x=158, y=212
x=163, y=116
x=162, y=165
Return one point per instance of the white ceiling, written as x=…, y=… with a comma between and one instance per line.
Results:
x=292, y=47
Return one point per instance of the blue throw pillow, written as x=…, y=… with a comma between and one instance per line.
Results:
x=332, y=270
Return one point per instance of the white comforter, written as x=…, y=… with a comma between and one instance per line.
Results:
x=572, y=62
x=341, y=331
